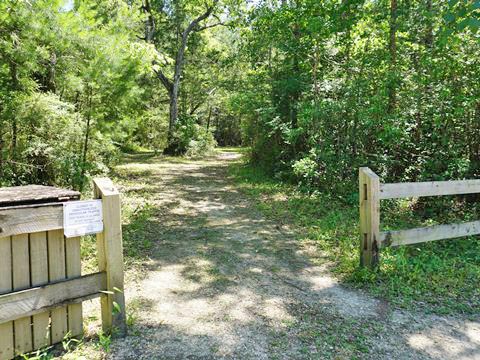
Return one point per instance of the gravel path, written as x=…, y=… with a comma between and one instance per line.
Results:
x=224, y=282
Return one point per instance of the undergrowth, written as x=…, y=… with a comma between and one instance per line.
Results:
x=440, y=277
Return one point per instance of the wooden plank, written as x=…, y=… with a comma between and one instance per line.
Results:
x=21, y=280
x=110, y=256
x=39, y=271
x=41, y=298
x=430, y=188
x=73, y=258
x=369, y=185
x=25, y=220
x=6, y=329
x=56, y=265
x=430, y=233
x=34, y=194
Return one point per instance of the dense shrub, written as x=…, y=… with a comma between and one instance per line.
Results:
x=50, y=142
x=192, y=139
x=151, y=131
x=321, y=101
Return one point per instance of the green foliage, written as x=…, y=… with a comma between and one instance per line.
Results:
x=151, y=131
x=47, y=145
x=327, y=87
x=463, y=15
x=69, y=89
x=104, y=341
x=332, y=86
x=438, y=276
x=306, y=170
x=192, y=139
x=201, y=143
x=90, y=74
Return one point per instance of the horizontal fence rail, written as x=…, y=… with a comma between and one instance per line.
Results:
x=430, y=233
x=430, y=188
x=29, y=219
x=371, y=191
x=41, y=285
x=42, y=298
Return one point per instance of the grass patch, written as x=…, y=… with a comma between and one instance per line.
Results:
x=440, y=277
x=330, y=336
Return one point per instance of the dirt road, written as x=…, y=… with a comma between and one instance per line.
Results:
x=223, y=282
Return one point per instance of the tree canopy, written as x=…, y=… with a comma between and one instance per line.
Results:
x=315, y=88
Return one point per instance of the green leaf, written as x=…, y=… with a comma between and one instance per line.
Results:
x=474, y=24
x=116, y=308
x=449, y=17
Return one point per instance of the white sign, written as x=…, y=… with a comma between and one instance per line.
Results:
x=82, y=218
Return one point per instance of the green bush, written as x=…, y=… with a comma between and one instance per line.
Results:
x=306, y=171
x=49, y=145
x=202, y=144
x=152, y=130
x=192, y=139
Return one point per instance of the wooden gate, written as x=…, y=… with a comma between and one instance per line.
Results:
x=41, y=286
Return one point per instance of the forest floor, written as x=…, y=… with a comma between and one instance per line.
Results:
x=209, y=277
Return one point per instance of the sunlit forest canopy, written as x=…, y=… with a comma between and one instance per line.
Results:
x=314, y=88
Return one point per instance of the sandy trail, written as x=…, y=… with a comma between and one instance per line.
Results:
x=224, y=282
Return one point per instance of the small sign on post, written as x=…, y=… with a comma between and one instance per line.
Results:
x=82, y=218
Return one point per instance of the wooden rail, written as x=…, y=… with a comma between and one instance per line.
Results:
x=28, y=219
x=46, y=297
x=430, y=188
x=430, y=233
x=371, y=191
x=41, y=286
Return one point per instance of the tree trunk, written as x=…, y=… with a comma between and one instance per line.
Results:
x=392, y=86
x=86, y=140
x=209, y=117
x=13, y=145
x=429, y=27
x=14, y=79
x=173, y=86
x=172, y=146
x=173, y=112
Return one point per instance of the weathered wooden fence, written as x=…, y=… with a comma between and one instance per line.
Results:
x=371, y=191
x=41, y=286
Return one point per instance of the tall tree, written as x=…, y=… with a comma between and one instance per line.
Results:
x=392, y=46
x=185, y=24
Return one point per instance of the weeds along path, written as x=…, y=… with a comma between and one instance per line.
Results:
x=221, y=281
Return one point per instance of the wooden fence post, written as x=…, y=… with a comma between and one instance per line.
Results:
x=110, y=257
x=369, y=191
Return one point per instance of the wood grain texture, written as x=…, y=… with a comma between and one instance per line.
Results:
x=430, y=233
x=41, y=298
x=21, y=280
x=369, y=203
x=56, y=265
x=73, y=258
x=25, y=220
x=32, y=194
x=6, y=328
x=431, y=188
x=39, y=271
x=110, y=255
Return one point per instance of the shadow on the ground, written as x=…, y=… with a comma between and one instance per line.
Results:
x=200, y=229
